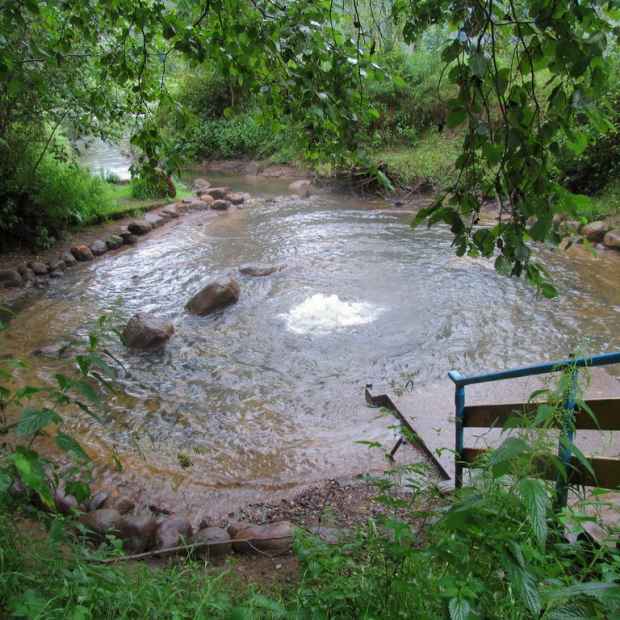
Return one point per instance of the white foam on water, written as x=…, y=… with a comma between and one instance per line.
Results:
x=325, y=313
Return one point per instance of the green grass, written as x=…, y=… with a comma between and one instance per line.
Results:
x=123, y=203
x=605, y=204
x=50, y=577
x=431, y=158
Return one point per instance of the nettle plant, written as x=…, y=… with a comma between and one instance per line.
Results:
x=29, y=413
x=497, y=548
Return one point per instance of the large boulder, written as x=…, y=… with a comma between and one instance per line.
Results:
x=147, y=333
x=10, y=278
x=139, y=227
x=218, y=541
x=216, y=295
x=612, y=239
x=138, y=532
x=101, y=522
x=99, y=247
x=173, y=532
x=302, y=188
x=594, y=231
x=258, y=270
x=82, y=253
x=269, y=538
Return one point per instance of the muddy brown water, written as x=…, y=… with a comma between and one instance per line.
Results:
x=267, y=396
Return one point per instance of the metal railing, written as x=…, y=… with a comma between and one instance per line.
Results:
x=567, y=431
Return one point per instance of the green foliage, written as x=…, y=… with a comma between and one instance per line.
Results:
x=564, y=47
x=46, y=193
x=408, y=95
x=37, y=412
x=241, y=136
x=430, y=158
x=49, y=577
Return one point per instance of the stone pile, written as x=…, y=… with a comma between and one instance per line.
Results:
x=599, y=232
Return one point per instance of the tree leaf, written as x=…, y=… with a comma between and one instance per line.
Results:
x=30, y=468
x=534, y=494
x=459, y=609
x=34, y=420
x=68, y=444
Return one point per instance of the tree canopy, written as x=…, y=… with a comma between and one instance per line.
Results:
x=526, y=72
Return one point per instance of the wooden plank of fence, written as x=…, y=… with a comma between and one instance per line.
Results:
x=606, y=411
x=606, y=470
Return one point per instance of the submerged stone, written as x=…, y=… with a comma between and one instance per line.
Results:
x=214, y=296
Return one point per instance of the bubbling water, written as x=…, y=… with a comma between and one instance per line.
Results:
x=321, y=314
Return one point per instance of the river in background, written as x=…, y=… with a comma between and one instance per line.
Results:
x=268, y=394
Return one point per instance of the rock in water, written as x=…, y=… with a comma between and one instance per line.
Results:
x=259, y=270
x=99, y=247
x=236, y=198
x=154, y=220
x=69, y=259
x=138, y=532
x=173, y=532
x=594, y=231
x=200, y=185
x=10, y=278
x=114, y=242
x=216, y=295
x=40, y=269
x=612, y=239
x=302, y=188
x=220, y=205
x=271, y=538
x=147, y=333
x=216, y=193
x=139, y=227
x=212, y=535
x=82, y=253
x=170, y=211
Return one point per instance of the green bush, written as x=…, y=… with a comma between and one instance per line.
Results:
x=41, y=197
x=241, y=136
x=410, y=96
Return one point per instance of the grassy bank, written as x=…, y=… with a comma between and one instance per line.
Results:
x=124, y=203
x=429, y=159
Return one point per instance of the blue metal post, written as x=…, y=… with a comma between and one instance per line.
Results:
x=459, y=403
x=567, y=436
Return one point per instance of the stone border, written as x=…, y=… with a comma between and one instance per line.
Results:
x=39, y=273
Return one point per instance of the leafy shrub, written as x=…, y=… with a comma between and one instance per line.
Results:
x=42, y=196
x=410, y=96
x=589, y=170
x=241, y=136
